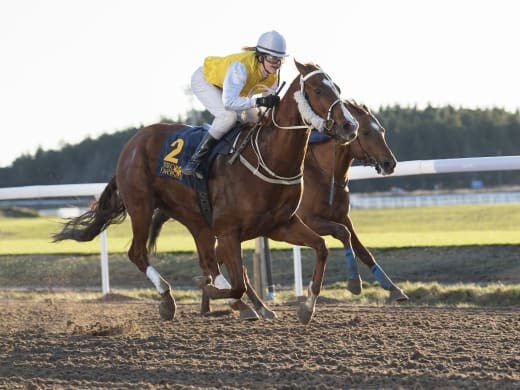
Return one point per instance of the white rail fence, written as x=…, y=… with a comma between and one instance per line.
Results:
x=438, y=199
x=405, y=168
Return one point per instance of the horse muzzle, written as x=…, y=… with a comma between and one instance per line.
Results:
x=386, y=167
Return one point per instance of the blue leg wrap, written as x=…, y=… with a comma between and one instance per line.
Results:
x=381, y=277
x=351, y=264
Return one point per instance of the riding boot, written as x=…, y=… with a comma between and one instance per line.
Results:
x=202, y=152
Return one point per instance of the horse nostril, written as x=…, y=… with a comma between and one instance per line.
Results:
x=388, y=166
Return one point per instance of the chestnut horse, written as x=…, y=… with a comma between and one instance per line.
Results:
x=256, y=197
x=325, y=204
x=325, y=208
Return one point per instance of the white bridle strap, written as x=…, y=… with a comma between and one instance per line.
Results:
x=309, y=75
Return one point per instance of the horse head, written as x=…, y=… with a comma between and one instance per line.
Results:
x=320, y=105
x=370, y=145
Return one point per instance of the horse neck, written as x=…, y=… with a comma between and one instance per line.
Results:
x=284, y=149
x=333, y=158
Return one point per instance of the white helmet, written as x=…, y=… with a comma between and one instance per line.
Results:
x=271, y=43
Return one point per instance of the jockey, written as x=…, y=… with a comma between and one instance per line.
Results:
x=223, y=86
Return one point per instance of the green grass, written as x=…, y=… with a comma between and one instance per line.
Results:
x=421, y=294
x=377, y=228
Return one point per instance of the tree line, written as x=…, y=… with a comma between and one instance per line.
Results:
x=411, y=133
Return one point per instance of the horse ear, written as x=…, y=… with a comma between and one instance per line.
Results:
x=299, y=66
x=305, y=68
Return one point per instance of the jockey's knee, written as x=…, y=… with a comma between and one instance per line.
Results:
x=222, y=124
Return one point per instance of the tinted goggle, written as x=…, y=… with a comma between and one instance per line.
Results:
x=274, y=60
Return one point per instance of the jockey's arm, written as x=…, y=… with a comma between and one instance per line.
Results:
x=236, y=78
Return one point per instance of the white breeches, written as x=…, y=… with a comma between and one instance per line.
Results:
x=211, y=97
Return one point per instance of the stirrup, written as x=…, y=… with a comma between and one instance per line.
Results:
x=192, y=169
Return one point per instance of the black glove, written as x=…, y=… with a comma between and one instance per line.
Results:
x=268, y=101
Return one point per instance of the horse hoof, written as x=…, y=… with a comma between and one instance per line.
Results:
x=354, y=285
x=267, y=314
x=167, y=306
x=398, y=295
x=201, y=281
x=246, y=312
x=304, y=313
x=249, y=315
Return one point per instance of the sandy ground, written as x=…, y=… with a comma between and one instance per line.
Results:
x=118, y=342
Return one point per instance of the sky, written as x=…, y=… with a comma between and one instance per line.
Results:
x=72, y=69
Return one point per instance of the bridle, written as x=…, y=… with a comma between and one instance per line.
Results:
x=311, y=120
x=367, y=160
x=309, y=117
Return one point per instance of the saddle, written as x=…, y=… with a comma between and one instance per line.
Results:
x=178, y=149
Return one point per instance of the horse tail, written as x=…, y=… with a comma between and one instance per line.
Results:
x=158, y=220
x=108, y=210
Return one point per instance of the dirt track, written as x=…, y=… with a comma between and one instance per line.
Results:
x=121, y=343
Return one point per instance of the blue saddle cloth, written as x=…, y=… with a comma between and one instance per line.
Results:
x=180, y=146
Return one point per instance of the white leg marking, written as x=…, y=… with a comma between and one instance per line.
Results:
x=222, y=283
x=160, y=284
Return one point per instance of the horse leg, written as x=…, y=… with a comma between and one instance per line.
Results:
x=205, y=242
x=229, y=252
x=354, y=282
x=246, y=312
x=325, y=227
x=297, y=233
x=396, y=294
x=141, y=217
x=260, y=306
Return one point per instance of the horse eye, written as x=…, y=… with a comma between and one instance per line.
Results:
x=317, y=91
